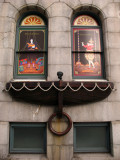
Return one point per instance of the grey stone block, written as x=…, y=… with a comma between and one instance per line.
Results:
x=4, y=133
x=108, y=72
x=1, y=40
x=114, y=40
x=47, y=3
x=111, y=10
x=106, y=40
x=4, y=139
x=59, y=39
x=35, y=2
x=100, y=4
x=6, y=56
x=27, y=157
x=59, y=24
x=95, y=112
x=53, y=69
x=66, y=152
x=116, y=152
x=114, y=56
x=104, y=25
x=116, y=0
x=59, y=9
x=72, y=3
x=24, y=112
x=55, y=152
x=9, y=40
x=7, y=24
x=113, y=24
x=115, y=74
x=6, y=73
x=17, y=3
x=4, y=96
x=115, y=96
x=107, y=56
x=49, y=152
x=59, y=56
x=1, y=1
x=115, y=132
x=8, y=10
x=114, y=111
x=86, y=2
x=4, y=151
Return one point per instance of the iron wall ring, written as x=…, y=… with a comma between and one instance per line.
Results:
x=54, y=131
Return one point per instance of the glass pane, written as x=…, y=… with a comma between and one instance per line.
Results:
x=31, y=63
x=85, y=20
x=86, y=40
x=32, y=40
x=91, y=137
x=29, y=137
x=32, y=20
x=87, y=64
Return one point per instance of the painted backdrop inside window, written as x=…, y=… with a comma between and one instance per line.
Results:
x=86, y=58
x=31, y=61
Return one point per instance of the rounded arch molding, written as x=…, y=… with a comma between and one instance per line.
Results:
x=31, y=8
x=90, y=8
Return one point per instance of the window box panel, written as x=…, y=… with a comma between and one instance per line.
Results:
x=91, y=137
x=27, y=138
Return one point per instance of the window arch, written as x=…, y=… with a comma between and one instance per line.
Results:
x=31, y=47
x=87, y=47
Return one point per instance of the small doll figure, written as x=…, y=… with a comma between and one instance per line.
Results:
x=89, y=56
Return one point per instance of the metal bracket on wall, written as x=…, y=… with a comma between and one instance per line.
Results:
x=59, y=113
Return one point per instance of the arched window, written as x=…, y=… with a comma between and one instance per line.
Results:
x=87, y=48
x=31, y=47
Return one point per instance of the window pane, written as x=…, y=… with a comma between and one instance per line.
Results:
x=86, y=40
x=29, y=137
x=84, y=20
x=31, y=63
x=32, y=20
x=87, y=64
x=91, y=137
x=32, y=40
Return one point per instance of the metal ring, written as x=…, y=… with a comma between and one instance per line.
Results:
x=54, y=131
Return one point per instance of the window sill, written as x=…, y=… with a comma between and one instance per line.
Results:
x=92, y=155
x=27, y=156
x=90, y=80
x=27, y=80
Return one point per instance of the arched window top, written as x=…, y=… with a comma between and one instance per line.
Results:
x=85, y=20
x=32, y=20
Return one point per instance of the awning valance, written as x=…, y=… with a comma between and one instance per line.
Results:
x=47, y=92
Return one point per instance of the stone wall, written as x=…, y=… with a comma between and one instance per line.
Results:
x=59, y=14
